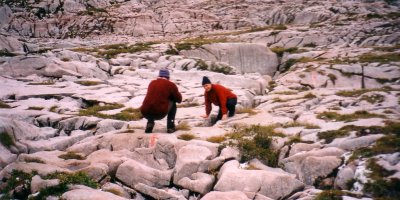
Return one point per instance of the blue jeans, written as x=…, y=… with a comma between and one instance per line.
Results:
x=230, y=105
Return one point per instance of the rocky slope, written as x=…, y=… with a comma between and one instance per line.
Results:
x=318, y=113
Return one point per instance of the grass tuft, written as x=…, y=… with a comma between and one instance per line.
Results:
x=216, y=139
x=187, y=136
x=250, y=111
x=88, y=83
x=48, y=82
x=184, y=126
x=4, y=105
x=305, y=125
x=380, y=58
x=71, y=155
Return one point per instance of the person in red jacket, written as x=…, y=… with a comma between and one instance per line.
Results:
x=219, y=96
x=161, y=98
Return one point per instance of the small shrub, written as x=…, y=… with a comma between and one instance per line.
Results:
x=35, y=108
x=172, y=51
x=88, y=83
x=197, y=42
x=4, y=105
x=187, y=136
x=216, y=139
x=6, y=140
x=184, y=126
x=71, y=155
x=281, y=50
x=201, y=65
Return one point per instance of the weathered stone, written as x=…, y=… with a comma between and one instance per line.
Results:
x=115, y=189
x=274, y=185
x=89, y=194
x=158, y=193
x=198, y=182
x=229, y=195
x=132, y=172
x=244, y=57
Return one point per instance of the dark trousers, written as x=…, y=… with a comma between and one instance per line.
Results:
x=170, y=116
x=230, y=105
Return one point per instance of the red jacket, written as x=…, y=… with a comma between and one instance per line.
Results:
x=218, y=95
x=159, y=93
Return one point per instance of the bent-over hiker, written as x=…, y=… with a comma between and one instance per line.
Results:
x=161, y=98
x=219, y=96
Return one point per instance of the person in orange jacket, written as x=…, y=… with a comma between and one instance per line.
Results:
x=219, y=96
x=161, y=98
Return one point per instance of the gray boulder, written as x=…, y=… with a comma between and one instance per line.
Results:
x=274, y=185
x=132, y=172
x=344, y=175
x=230, y=195
x=5, y=16
x=116, y=189
x=159, y=193
x=244, y=57
x=350, y=144
x=198, y=182
x=89, y=194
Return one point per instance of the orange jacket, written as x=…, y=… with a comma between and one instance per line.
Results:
x=159, y=93
x=218, y=95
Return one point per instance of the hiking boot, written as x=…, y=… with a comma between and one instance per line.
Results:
x=171, y=130
x=149, y=127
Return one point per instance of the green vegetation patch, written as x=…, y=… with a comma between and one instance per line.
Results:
x=71, y=155
x=380, y=58
x=20, y=180
x=361, y=114
x=255, y=142
x=4, y=105
x=380, y=187
x=356, y=93
x=297, y=124
x=334, y=195
x=6, y=140
x=329, y=136
x=79, y=178
x=129, y=114
x=390, y=143
x=388, y=48
x=110, y=51
x=187, y=136
x=194, y=43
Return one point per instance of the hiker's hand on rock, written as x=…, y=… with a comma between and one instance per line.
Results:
x=224, y=117
x=204, y=116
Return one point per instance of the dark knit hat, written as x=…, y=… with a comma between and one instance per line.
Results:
x=164, y=73
x=205, y=80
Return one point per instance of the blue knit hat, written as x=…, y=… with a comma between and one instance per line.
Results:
x=205, y=80
x=164, y=73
